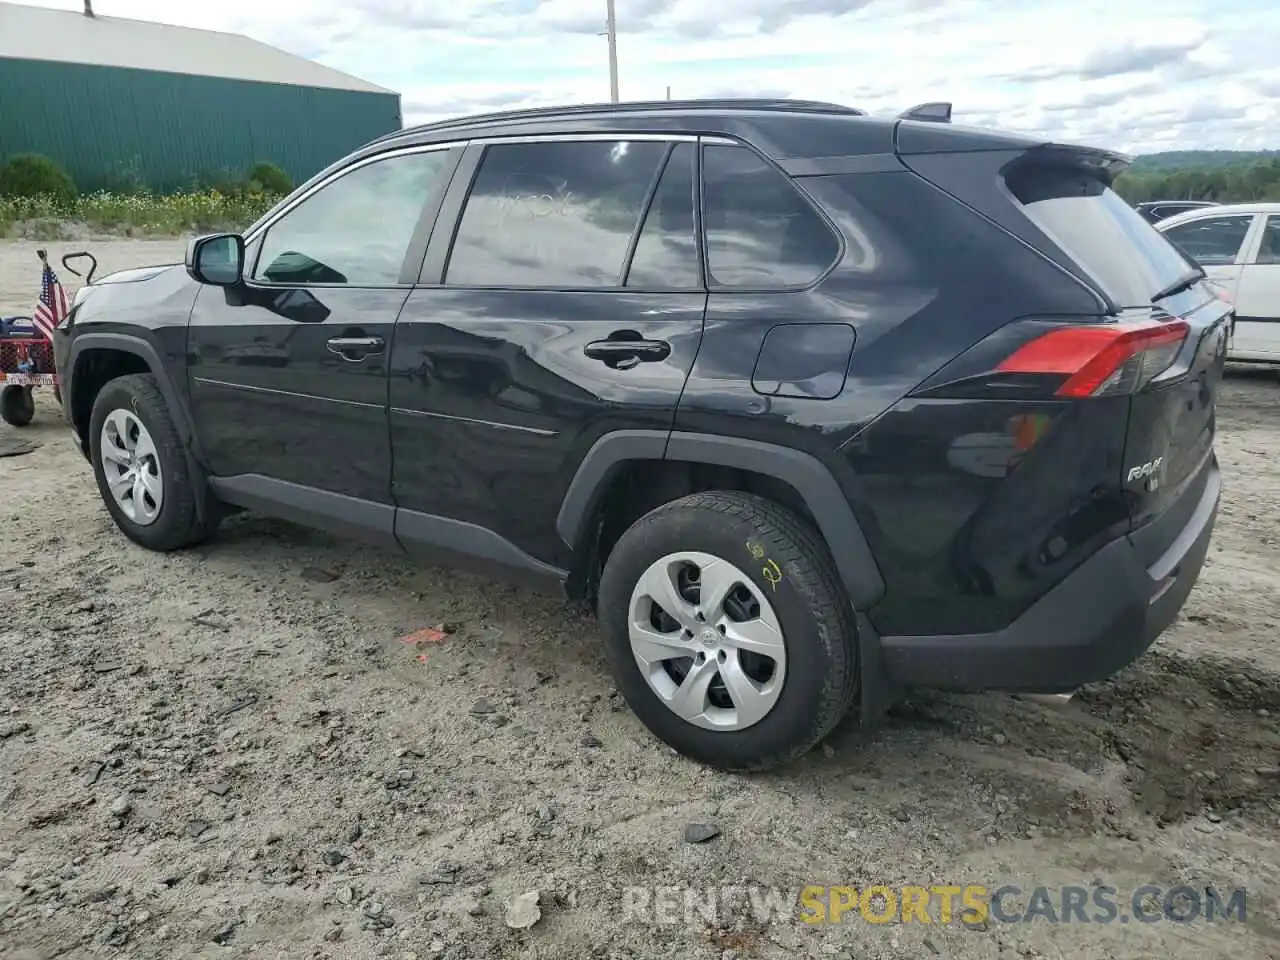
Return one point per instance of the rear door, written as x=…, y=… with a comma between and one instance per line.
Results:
x=561, y=299
x=1257, y=334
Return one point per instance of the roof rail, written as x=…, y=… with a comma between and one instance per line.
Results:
x=937, y=111
x=587, y=109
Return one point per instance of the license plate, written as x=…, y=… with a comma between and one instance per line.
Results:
x=29, y=379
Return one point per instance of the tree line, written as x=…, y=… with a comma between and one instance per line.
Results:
x=1244, y=181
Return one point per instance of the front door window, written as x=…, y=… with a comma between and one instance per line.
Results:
x=356, y=229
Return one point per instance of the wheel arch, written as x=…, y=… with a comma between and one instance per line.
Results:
x=95, y=359
x=812, y=482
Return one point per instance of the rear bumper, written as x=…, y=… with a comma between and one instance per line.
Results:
x=1098, y=620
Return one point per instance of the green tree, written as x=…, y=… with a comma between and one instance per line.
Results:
x=269, y=179
x=1253, y=177
x=33, y=175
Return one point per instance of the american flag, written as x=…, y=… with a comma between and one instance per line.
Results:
x=52, y=308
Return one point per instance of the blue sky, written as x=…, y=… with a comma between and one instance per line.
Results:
x=1138, y=76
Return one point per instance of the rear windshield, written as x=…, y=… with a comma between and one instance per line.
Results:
x=1118, y=250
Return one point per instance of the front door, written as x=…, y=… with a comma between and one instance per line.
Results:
x=567, y=303
x=288, y=370
x=1257, y=335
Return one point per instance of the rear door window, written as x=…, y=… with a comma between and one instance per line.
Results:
x=559, y=213
x=1211, y=241
x=760, y=232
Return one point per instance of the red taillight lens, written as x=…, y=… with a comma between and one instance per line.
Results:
x=1103, y=359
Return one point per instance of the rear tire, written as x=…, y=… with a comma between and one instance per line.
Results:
x=785, y=602
x=17, y=406
x=146, y=462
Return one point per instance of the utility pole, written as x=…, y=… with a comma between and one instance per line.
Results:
x=612, y=29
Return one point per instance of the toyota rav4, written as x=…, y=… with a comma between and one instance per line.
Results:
x=810, y=406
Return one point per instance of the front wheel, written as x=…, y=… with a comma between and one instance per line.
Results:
x=141, y=468
x=728, y=631
x=17, y=406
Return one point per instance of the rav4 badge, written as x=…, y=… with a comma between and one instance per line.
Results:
x=1143, y=471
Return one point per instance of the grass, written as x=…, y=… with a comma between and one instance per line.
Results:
x=135, y=214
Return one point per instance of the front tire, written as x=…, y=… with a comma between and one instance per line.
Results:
x=141, y=468
x=17, y=406
x=727, y=630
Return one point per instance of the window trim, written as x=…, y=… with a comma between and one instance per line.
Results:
x=434, y=273
x=646, y=208
x=418, y=241
x=1248, y=245
x=699, y=234
x=805, y=197
x=644, y=219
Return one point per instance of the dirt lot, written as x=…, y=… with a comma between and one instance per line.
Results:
x=230, y=752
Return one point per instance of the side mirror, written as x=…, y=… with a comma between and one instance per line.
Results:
x=217, y=259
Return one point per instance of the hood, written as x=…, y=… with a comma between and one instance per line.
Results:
x=135, y=275
x=135, y=294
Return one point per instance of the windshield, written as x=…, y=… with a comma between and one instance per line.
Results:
x=1116, y=247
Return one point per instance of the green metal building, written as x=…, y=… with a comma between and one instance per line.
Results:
x=128, y=103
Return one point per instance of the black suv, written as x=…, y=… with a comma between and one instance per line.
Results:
x=811, y=406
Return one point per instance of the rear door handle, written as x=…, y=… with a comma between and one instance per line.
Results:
x=625, y=354
x=355, y=349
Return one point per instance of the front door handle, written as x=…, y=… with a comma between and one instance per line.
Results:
x=624, y=354
x=355, y=349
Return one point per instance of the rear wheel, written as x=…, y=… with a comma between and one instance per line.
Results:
x=141, y=468
x=727, y=630
x=17, y=406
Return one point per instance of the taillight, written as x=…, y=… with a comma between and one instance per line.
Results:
x=1101, y=360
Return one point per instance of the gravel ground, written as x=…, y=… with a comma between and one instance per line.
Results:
x=230, y=752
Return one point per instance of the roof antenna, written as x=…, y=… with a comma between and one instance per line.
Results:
x=934, y=112
x=88, y=8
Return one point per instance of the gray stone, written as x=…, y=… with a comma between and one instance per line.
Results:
x=700, y=832
x=523, y=911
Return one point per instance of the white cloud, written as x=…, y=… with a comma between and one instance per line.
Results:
x=1140, y=76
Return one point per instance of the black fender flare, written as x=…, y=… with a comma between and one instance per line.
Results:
x=807, y=475
x=145, y=351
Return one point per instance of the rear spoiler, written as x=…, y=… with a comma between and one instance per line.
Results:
x=927, y=129
x=1106, y=165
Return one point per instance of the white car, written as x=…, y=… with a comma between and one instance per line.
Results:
x=1239, y=247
